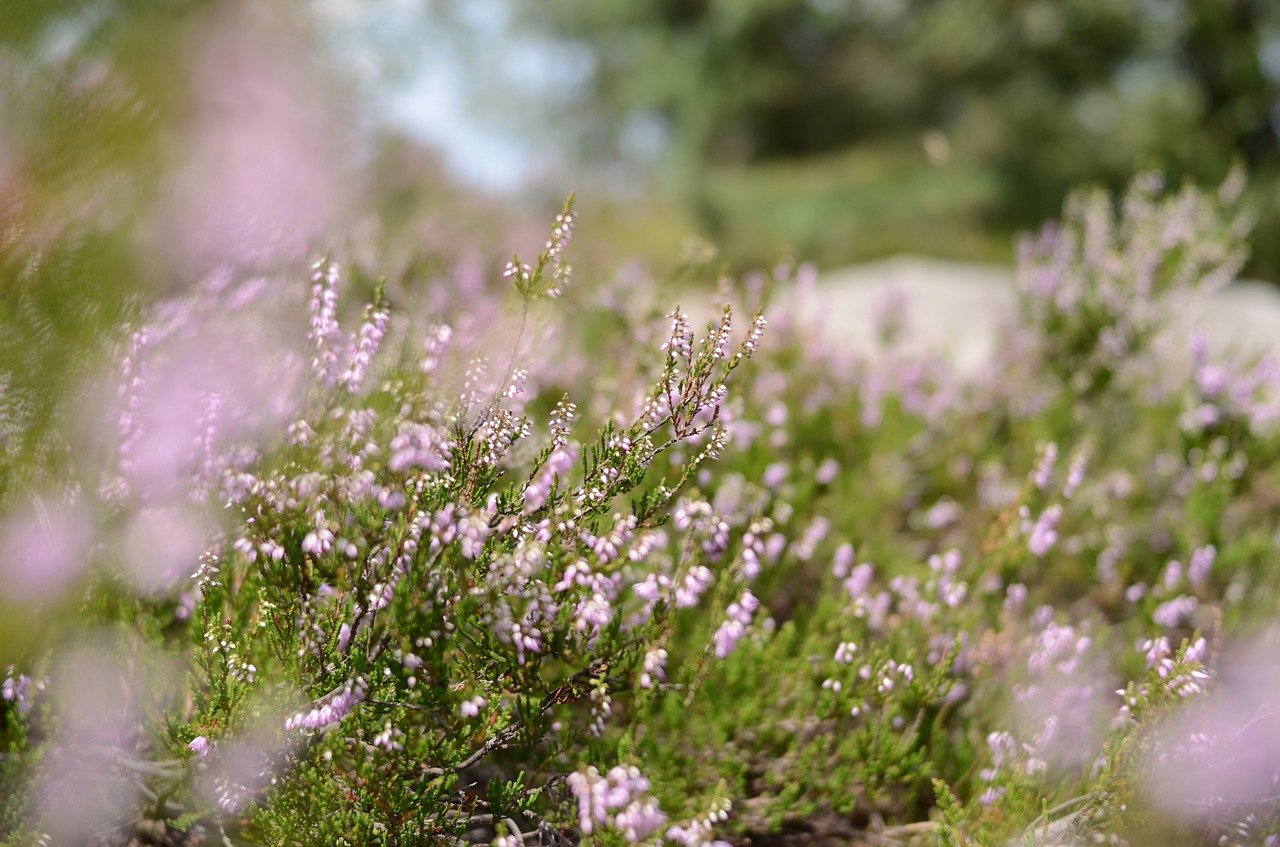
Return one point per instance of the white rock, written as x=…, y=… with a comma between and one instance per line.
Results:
x=959, y=310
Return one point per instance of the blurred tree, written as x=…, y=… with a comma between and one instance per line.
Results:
x=1048, y=92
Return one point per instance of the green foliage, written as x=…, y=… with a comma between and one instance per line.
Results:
x=1031, y=97
x=432, y=599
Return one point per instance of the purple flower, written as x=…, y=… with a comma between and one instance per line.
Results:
x=365, y=347
x=737, y=619
x=695, y=582
x=655, y=667
x=827, y=472
x=200, y=746
x=330, y=709
x=1044, y=534
x=593, y=614
x=17, y=689
x=1201, y=563
x=420, y=446
x=42, y=550
x=589, y=788
x=1075, y=474
x=1044, y=465
x=1175, y=611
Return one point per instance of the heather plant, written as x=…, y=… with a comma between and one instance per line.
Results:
x=410, y=616
x=1014, y=560
x=548, y=567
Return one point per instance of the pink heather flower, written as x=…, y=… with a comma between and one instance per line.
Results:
x=589, y=788
x=327, y=341
x=991, y=795
x=774, y=546
x=470, y=708
x=717, y=538
x=655, y=667
x=593, y=614
x=827, y=472
x=17, y=689
x=43, y=550
x=1201, y=563
x=391, y=499
x=561, y=425
x=698, y=832
x=607, y=546
x=652, y=587
x=200, y=746
x=680, y=344
x=943, y=513
x=737, y=619
x=435, y=344
x=330, y=709
x=1075, y=474
x=1058, y=646
x=859, y=582
x=752, y=342
x=775, y=475
x=473, y=530
x=690, y=589
x=320, y=540
x=811, y=538
x=1044, y=534
x=624, y=783
x=263, y=151
x=579, y=574
x=389, y=738
x=526, y=639
x=719, y=339
x=640, y=820
x=1175, y=612
x=420, y=446
x=1044, y=465
x=1223, y=753
x=842, y=560
x=365, y=348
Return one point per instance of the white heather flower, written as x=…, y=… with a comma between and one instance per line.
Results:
x=680, y=344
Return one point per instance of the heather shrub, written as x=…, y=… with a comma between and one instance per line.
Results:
x=541, y=563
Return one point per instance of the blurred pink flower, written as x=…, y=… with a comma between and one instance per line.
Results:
x=263, y=160
x=189, y=403
x=43, y=549
x=1223, y=755
x=162, y=546
x=89, y=781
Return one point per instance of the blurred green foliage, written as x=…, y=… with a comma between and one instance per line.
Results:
x=1034, y=96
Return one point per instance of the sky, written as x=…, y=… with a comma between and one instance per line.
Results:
x=462, y=81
